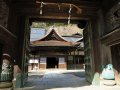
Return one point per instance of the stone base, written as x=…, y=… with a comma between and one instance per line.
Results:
x=62, y=66
x=11, y=88
x=42, y=66
x=5, y=85
x=109, y=82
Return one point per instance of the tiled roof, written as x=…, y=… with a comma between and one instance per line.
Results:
x=53, y=39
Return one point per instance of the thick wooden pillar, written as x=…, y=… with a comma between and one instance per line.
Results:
x=92, y=50
x=98, y=50
x=22, y=55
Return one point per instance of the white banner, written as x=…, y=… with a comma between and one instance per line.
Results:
x=61, y=60
x=33, y=61
x=43, y=60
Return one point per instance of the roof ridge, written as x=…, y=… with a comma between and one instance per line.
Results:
x=52, y=31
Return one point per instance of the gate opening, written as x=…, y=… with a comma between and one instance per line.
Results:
x=52, y=62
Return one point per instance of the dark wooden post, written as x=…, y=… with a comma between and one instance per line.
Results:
x=34, y=60
x=39, y=61
x=74, y=60
x=78, y=55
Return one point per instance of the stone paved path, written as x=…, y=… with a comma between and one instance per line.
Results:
x=58, y=80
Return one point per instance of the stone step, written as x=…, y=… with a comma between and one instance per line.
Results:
x=109, y=82
x=11, y=88
x=6, y=86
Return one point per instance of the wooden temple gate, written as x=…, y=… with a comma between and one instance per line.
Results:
x=101, y=33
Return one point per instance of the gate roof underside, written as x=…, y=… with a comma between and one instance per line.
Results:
x=55, y=9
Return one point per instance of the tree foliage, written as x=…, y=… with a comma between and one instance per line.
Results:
x=46, y=25
x=62, y=28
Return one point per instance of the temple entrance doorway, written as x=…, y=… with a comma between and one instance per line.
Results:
x=52, y=62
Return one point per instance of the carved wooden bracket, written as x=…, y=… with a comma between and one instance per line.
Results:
x=113, y=17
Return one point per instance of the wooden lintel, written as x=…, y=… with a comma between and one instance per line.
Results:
x=62, y=17
x=55, y=14
x=111, y=38
x=54, y=9
x=75, y=2
x=54, y=20
x=81, y=4
x=31, y=8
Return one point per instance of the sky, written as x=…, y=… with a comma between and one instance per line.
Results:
x=36, y=33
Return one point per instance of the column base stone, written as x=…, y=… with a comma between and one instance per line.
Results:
x=6, y=85
x=109, y=82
